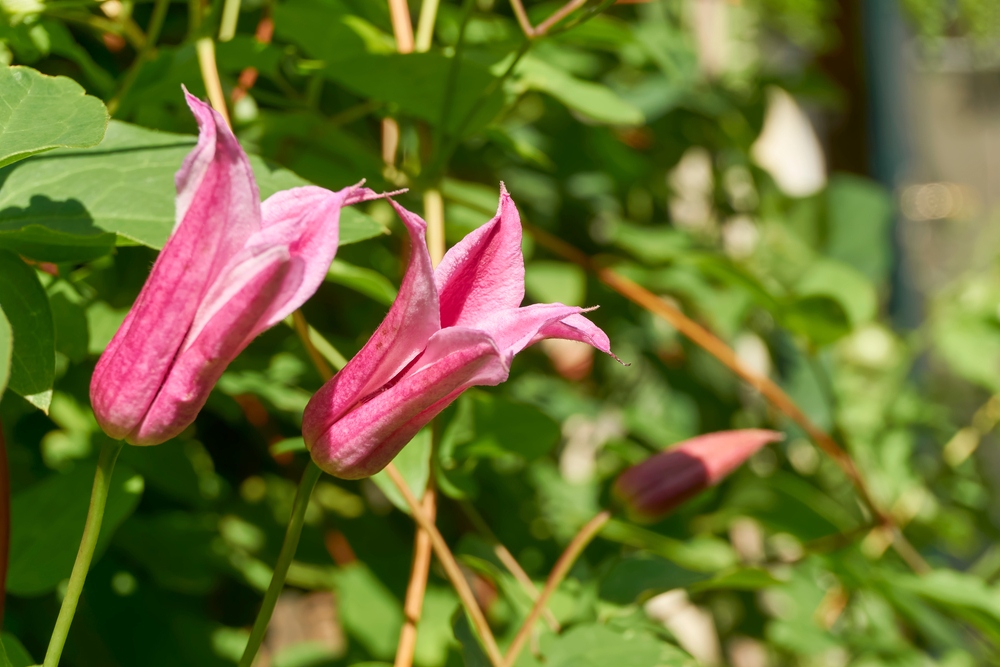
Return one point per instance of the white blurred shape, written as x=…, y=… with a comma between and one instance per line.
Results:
x=691, y=182
x=788, y=148
x=693, y=626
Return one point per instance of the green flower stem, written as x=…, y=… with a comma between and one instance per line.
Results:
x=91, y=531
x=292, y=534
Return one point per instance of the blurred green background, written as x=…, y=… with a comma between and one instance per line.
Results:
x=816, y=182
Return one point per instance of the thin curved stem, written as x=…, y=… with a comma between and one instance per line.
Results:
x=414, y=604
x=451, y=568
x=152, y=35
x=288, y=546
x=91, y=531
x=559, y=572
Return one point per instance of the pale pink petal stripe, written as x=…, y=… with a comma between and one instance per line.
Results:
x=200, y=364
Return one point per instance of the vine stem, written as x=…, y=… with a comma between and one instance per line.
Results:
x=450, y=566
x=774, y=394
x=573, y=550
x=291, y=542
x=148, y=48
x=413, y=606
x=91, y=531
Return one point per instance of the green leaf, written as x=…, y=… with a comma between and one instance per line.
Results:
x=369, y=282
x=14, y=653
x=555, y=282
x=845, y=285
x=325, y=29
x=6, y=348
x=47, y=523
x=369, y=611
x=859, y=214
x=416, y=83
x=414, y=463
x=124, y=186
x=593, y=100
x=595, y=645
x=39, y=112
x=820, y=318
x=23, y=301
x=473, y=654
x=639, y=577
x=504, y=427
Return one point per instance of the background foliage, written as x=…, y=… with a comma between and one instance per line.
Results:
x=618, y=136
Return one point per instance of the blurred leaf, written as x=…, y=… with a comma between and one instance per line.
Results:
x=820, y=318
x=43, y=112
x=366, y=281
x=416, y=83
x=595, y=645
x=14, y=652
x=473, y=654
x=555, y=282
x=789, y=503
x=592, y=100
x=369, y=612
x=47, y=523
x=859, y=213
x=959, y=593
x=636, y=578
x=175, y=548
x=69, y=319
x=325, y=29
x=840, y=282
x=125, y=186
x=414, y=463
x=26, y=308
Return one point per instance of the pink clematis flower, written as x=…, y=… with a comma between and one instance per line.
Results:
x=232, y=268
x=663, y=481
x=449, y=329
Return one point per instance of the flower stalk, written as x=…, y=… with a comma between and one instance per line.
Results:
x=81, y=566
x=288, y=547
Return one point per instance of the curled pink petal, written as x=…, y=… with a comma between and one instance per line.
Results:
x=665, y=480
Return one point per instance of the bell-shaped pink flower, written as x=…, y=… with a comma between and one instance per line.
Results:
x=663, y=481
x=450, y=328
x=232, y=268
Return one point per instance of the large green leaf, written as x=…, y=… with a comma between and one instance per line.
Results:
x=124, y=186
x=23, y=301
x=39, y=112
x=47, y=521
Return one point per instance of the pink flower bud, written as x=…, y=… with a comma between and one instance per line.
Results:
x=663, y=481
